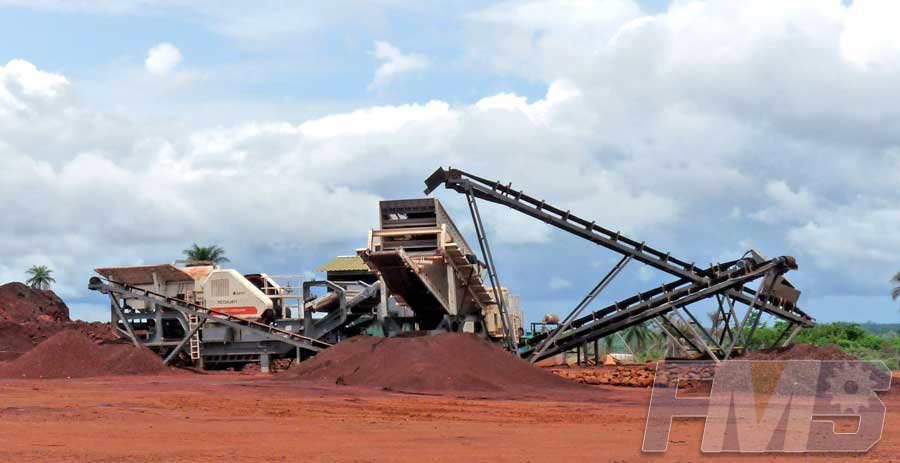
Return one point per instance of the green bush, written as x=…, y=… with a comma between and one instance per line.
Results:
x=850, y=337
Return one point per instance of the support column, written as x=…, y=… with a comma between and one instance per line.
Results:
x=383, y=305
x=451, y=290
x=264, y=363
x=596, y=352
x=790, y=338
x=308, y=323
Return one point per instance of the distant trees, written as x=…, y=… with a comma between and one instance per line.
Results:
x=40, y=277
x=639, y=337
x=212, y=253
x=896, y=292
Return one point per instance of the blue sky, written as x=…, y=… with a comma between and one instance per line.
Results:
x=703, y=127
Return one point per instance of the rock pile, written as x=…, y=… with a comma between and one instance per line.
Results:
x=625, y=375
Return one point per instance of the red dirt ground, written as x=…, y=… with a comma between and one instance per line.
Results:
x=214, y=418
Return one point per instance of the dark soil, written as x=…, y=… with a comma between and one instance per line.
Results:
x=441, y=364
x=801, y=352
x=71, y=354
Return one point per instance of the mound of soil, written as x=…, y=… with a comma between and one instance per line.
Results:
x=801, y=352
x=71, y=354
x=18, y=338
x=20, y=303
x=441, y=364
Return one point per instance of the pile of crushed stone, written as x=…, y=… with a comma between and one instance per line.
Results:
x=441, y=364
x=71, y=354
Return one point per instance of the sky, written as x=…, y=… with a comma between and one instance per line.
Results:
x=130, y=129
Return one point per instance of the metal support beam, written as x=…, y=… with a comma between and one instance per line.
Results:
x=681, y=334
x=184, y=341
x=708, y=335
x=492, y=273
x=790, y=338
x=117, y=308
x=697, y=337
x=671, y=336
x=739, y=331
x=725, y=319
x=588, y=299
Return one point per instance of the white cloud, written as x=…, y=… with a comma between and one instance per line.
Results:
x=863, y=236
x=149, y=193
x=559, y=283
x=162, y=59
x=379, y=119
x=268, y=22
x=870, y=36
x=646, y=273
x=709, y=124
x=787, y=205
x=24, y=88
x=395, y=63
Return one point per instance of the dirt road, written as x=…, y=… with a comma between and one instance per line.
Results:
x=218, y=418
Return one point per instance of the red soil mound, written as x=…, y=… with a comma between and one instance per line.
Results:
x=71, y=354
x=18, y=338
x=446, y=363
x=20, y=303
x=801, y=352
x=30, y=316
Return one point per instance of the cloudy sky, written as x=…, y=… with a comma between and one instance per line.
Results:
x=131, y=128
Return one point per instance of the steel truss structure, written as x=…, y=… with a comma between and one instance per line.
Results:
x=666, y=305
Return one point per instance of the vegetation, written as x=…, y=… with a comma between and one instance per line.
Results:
x=639, y=337
x=895, y=293
x=40, y=277
x=870, y=341
x=212, y=253
x=877, y=343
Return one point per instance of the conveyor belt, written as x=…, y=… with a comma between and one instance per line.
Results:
x=693, y=283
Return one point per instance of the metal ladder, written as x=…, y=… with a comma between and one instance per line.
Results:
x=194, y=346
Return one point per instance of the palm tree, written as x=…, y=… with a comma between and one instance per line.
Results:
x=896, y=292
x=40, y=277
x=639, y=336
x=608, y=344
x=212, y=253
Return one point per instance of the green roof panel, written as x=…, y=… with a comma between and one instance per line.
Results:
x=345, y=264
